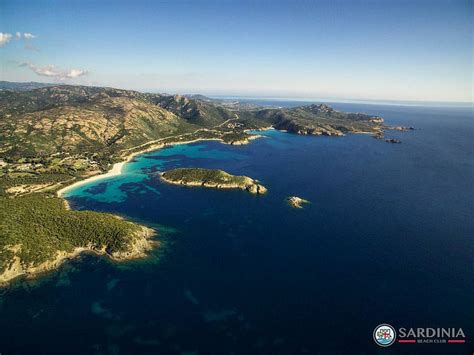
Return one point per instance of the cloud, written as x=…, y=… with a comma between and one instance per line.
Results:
x=4, y=38
x=28, y=35
x=75, y=73
x=7, y=37
x=53, y=71
x=49, y=70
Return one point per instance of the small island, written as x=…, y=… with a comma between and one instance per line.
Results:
x=214, y=178
x=296, y=202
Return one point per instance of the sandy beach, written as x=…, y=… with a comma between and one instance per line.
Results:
x=115, y=171
x=117, y=167
x=150, y=146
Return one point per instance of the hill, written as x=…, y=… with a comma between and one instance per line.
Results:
x=24, y=86
x=320, y=120
x=81, y=120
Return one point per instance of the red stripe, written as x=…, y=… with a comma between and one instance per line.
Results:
x=456, y=341
x=407, y=341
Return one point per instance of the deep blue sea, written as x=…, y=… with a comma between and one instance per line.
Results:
x=387, y=238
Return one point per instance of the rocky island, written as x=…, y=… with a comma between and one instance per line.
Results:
x=296, y=202
x=212, y=178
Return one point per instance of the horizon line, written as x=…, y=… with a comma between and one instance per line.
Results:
x=395, y=102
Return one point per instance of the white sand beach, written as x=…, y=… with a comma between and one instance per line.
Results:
x=151, y=146
x=115, y=171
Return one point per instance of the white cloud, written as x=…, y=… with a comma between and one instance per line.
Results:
x=74, y=73
x=53, y=71
x=4, y=38
x=49, y=70
x=28, y=35
x=7, y=37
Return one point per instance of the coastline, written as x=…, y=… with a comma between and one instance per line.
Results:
x=117, y=168
x=115, y=171
x=141, y=242
x=139, y=247
x=249, y=184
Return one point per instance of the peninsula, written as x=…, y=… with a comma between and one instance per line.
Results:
x=38, y=233
x=212, y=178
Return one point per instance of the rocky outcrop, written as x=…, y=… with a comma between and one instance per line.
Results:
x=241, y=141
x=294, y=126
x=376, y=119
x=401, y=128
x=318, y=108
x=318, y=131
x=393, y=140
x=256, y=189
x=296, y=202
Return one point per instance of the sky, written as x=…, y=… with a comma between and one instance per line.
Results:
x=380, y=50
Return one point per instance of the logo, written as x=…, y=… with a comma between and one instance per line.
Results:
x=385, y=335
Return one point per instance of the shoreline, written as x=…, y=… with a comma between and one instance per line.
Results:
x=115, y=171
x=139, y=246
x=117, y=168
x=250, y=184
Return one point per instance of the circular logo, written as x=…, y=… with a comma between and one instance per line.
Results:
x=385, y=335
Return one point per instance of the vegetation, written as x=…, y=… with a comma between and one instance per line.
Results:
x=320, y=120
x=211, y=178
x=25, y=180
x=41, y=226
x=7, y=85
x=204, y=175
x=81, y=121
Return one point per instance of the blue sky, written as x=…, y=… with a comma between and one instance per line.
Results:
x=411, y=50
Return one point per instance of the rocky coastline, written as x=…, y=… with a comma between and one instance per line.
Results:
x=218, y=179
x=138, y=247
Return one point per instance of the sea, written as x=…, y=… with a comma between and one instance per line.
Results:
x=386, y=239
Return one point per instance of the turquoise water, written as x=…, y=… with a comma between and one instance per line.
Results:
x=116, y=188
x=387, y=238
